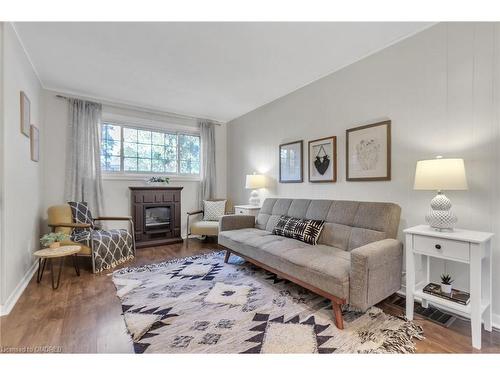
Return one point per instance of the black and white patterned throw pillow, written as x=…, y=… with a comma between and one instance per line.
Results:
x=81, y=215
x=304, y=230
x=213, y=210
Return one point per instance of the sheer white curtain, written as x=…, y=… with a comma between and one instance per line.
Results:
x=83, y=168
x=208, y=177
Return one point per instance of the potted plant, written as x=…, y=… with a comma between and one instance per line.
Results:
x=53, y=240
x=158, y=181
x=446, y=282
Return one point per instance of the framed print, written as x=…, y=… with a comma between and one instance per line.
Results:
x=25, y=114
x=34, y=143
x=291, y=162
x=368, y=152
x=323, y=160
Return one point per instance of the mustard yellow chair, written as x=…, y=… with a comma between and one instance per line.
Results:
x=204, y=227
x=60, y=219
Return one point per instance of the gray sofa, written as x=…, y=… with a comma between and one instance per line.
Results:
x=357, y=260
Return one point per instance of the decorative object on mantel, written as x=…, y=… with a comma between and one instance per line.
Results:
x=440, y=174
x=25, y=112
x=291, y=162
x=255, y=182
x=53, y=240
x=34, y=143
x=158, y=181
x=368, y=152
x=200, y=304
x=323, y=160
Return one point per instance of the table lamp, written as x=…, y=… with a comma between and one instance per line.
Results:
x=440, y=174
x=254, y=182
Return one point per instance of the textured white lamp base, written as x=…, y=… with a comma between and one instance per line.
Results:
x=440, y=216
x=254, y=198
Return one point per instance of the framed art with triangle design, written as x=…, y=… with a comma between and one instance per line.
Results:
x=323, y=160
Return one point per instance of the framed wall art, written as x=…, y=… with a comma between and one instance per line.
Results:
x=291, y=162
x=25, y=114
x=323, y=160
x=368, y=152
x=34, y=143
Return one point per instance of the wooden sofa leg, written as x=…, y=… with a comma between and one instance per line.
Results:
x=337, y=312
x=226, y=258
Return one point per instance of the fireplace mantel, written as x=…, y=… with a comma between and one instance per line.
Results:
x=134, y=188
x=145, y=199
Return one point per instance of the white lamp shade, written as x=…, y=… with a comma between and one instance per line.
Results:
x=255, y=181
x=440, y=174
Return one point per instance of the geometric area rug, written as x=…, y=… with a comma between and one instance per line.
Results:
x=200, y=304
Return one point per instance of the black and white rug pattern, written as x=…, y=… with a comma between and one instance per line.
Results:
x=202, y=305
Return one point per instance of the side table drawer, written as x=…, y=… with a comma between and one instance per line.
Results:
x=240, y=211
x=441, y=247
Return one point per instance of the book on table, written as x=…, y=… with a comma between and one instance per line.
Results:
x=456, y=295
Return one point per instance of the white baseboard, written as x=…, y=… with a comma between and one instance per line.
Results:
x=495, y=318
x=7, y=307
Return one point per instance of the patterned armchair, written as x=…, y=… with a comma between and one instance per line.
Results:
x=107, y=248
x=205, y=227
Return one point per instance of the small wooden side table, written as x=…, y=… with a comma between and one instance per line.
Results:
x=61, y=253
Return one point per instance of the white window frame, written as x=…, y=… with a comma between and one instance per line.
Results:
x=138, y=175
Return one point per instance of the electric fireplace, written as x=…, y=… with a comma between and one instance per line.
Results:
x=156, y=212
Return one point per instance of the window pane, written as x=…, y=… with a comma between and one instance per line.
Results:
x=111, y=132
x=158, y=165
x=144, y=151
x=189, y=167
x=171, y=140
x=110, y=147
x=130, y=164
x=144, y=165
x=129, y=149
x=144, y=136
x=129, y=135
x=158, y=138
x=111, y=164
x=189, y=147
x=158, y=152
x=171, y=166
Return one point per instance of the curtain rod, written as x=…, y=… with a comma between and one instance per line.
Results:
x=143, y=110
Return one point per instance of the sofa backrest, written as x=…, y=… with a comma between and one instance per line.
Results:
x=348, y=224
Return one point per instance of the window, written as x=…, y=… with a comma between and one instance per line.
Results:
x=134, y=150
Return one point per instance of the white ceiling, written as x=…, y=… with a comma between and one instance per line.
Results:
x=214, y=70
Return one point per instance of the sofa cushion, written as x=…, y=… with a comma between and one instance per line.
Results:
x=304, y=230
x=321, y=266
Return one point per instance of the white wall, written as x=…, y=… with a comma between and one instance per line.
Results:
x=3, y=290
x=21, y=177
x=436, y=87
x=116, y=192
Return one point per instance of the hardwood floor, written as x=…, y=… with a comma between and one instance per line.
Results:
x=84, y=314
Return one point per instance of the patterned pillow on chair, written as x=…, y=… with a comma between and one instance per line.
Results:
x=213, y=210
x=304, y=230
x=81, y=215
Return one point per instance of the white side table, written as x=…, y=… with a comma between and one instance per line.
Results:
x=246, y=209
x=464, y=246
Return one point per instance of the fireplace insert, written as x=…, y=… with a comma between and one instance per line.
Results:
x=156, y=218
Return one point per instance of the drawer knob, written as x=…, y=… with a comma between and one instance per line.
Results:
x=438, y=247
